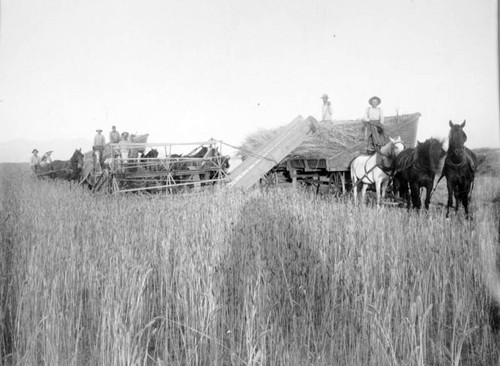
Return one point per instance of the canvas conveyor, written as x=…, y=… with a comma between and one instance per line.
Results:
x=259, y=162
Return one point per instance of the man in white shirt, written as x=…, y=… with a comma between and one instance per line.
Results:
x=326, y=112
x=99, y=144
x=35, y=161
x=373, y=120
x=114, y=135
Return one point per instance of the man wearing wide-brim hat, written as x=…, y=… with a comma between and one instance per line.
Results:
x=374, y=120
x=98, y=147
x=326, y=112
x=35, y=161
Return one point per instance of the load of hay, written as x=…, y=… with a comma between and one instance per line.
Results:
x=343, y=139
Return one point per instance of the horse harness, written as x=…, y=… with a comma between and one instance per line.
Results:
x=464, y=161
x=387, y=169
x=73, y=165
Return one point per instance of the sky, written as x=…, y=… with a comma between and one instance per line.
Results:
x=191, y=70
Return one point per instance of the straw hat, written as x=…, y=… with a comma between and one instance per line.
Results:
x=374, y=98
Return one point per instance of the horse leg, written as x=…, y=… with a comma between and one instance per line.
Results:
x=456, y=193
x=377, y=190
x=415, y=195
x=363, y=192
x=428, y=191
x=405, y=194
x=450, y=197
x=384, y=186
x=354, y=188
x=465, y=200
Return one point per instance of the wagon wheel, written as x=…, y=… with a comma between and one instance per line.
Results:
x=269, y=180
x=102, y=180
x=219, y=162
x=312, y=184
x=335, y=184
x=113, y=186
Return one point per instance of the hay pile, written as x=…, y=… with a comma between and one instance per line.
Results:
x=333, y=137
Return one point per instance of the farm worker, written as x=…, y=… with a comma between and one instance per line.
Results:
x=133, y=152
x=123, y=146
x=114, y=135
x=99, y=143
x=35, y=161
x=327, y=109
x=373, y=120
x=46, y=159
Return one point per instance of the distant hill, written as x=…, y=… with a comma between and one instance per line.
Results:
x=18, y=151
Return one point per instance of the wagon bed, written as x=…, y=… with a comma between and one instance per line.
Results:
x=323, y=159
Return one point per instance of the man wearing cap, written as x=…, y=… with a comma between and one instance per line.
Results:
x=99, y=143
x=373, y=120
x=327, y=113
x=114, y=135
x=35, y=161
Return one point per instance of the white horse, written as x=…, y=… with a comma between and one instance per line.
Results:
x=375, y=169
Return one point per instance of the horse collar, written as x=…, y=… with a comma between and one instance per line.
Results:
x=463, y=159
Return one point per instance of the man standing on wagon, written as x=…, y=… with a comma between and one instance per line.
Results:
x=326, y=111
x=114, y=136
x=99, y=143
x=373, y=121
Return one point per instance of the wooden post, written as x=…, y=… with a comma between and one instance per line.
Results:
x=293, y=174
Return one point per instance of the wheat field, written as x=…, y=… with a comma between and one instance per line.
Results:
x=224, y=277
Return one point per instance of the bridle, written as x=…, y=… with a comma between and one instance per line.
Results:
x=74, y=163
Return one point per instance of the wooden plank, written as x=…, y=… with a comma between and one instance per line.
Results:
x=271, y=153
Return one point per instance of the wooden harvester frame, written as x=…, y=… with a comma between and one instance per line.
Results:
x=168, y=172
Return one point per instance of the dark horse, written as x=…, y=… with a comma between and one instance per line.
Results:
x=459, y=169
x=149, y=165
x=416, y=168
x=64, y=169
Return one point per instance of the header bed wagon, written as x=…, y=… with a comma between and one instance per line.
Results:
x=322, y=160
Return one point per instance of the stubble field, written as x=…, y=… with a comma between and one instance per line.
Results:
x=227, y=278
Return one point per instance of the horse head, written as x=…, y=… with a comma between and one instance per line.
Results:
x=77, y=159
x=393, y=148
x=429, y=153
x=153, y=153
x=457, y=138
x=398, y=145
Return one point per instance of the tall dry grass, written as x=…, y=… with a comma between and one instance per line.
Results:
x=226, y=278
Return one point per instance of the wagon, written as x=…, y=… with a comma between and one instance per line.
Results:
x=161, y=167
x=322, y=160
